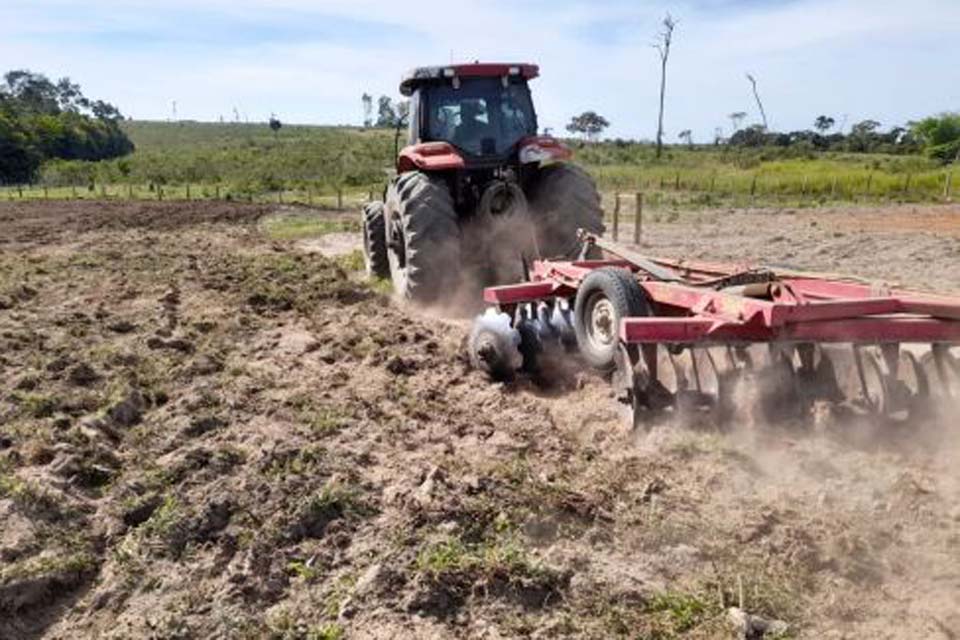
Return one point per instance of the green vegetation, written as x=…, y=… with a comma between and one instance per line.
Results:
x=342, y=166
x=41, y=120
x=293, y=227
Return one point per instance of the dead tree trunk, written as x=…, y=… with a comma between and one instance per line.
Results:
x=756, y=95
x=663, y=48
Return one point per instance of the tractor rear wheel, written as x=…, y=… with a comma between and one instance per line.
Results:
x=564, y=199
x=375, y=240
x=423, y=238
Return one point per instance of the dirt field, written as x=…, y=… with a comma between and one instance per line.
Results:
x=205, y=433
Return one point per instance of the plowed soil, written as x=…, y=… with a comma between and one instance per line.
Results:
x=205, y=433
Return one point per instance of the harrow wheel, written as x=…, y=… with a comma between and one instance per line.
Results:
x=606, y=296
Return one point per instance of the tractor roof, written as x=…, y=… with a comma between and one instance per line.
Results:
x=424, y=75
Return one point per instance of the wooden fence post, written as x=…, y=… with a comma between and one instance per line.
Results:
x=20, y=190
x=676, y=185
x=339, y=199
x=159, y=193
x=906, y=184
x=46, y=194
x=833, y=188
x=616, y=216
x=638, y=220
x=73, y=190
x=188, y=192
x=753, y=186
x=947, y=186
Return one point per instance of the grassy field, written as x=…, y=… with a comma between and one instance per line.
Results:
x=341, y=166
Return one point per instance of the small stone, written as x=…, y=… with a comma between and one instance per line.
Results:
x=369, y=580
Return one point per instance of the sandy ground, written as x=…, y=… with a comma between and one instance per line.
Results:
x=205, y=433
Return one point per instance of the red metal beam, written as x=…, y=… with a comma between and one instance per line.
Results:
x=872, y=330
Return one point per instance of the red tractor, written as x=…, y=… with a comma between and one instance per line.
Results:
x=476, y=186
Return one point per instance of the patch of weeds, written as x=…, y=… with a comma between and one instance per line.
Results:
x=30, y=497
x=352, y=261
x=341, y=590
x=335, y=501
x=38, y=405
x=305, y=461
x=303, y=570
x=72, y=563
x=497, y=566
x=166, y=526
x=677, y=612
x=294, y=227
x=282, y=624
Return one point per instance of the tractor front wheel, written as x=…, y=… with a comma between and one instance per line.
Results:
x=423, y=238
x=375, y=240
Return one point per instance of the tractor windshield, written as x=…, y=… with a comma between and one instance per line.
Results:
x=482, y=117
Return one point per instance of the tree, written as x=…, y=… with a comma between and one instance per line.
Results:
x=386, y=115
x=940, y=136
x=737, y=118
x=589, y=124
x=42, y=120
x=687, y=136
x=367, y=101
x=756, y=95
x=824, y=124
x=664, y=40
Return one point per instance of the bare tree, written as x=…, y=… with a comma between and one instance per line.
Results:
x=756, y=95
x=687, y=136
x=736, y=118
x=664, y=40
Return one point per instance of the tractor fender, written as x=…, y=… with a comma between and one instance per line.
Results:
x=429, y=156
x=543, y=150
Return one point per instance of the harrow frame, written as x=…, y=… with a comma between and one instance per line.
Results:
x=702, y=304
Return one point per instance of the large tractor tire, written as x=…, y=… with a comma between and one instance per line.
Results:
x=375, y=240
x=564, y=199
x=423, y=238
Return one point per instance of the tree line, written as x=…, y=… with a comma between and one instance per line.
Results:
x=41, y=120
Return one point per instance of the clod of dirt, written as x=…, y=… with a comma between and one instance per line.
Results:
x=122, y=326
x=750, y=627
x=174, y=344
x=400, y=366
x=200, y=426
x=128, y=411
x=82, y=375
x=140, y=510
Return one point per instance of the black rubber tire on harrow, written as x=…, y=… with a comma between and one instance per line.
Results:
x=375, y=240
x=620, y=288
x=564, y=199
x=423, y=238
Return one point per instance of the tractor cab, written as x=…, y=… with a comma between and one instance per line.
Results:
x=483, y=110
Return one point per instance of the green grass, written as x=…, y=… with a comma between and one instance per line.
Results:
x=294, y=227
x=343, y=166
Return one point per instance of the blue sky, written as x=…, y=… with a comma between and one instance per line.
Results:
x=309, y=61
